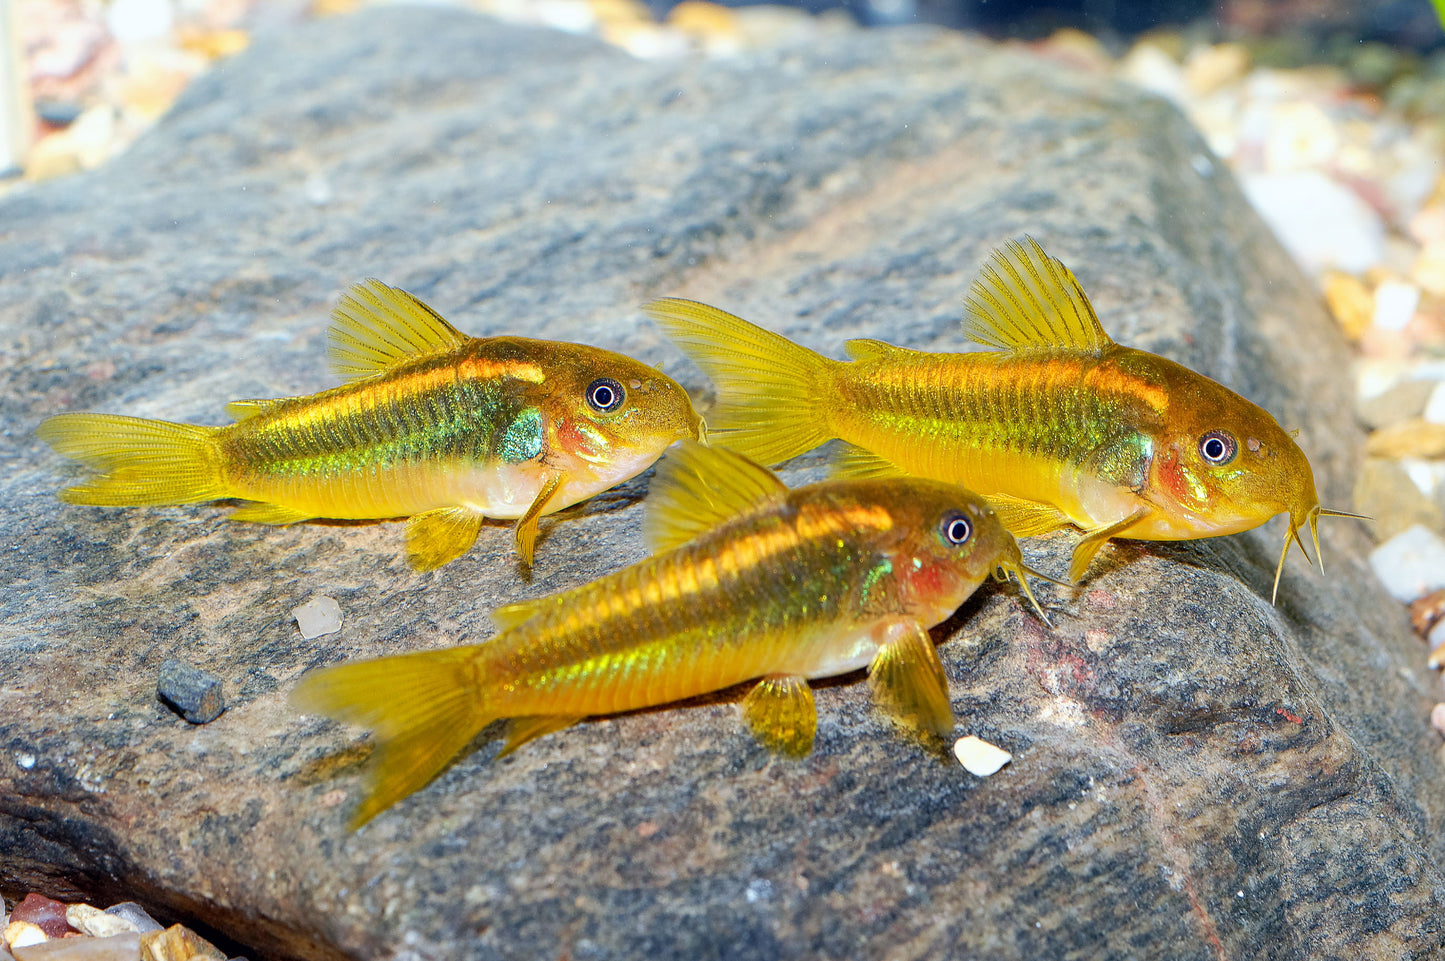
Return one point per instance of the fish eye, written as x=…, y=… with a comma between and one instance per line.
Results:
x=1218, y=447
x=955, y=529
x=605, y=394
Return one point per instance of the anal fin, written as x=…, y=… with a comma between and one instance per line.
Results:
x=441, y=536
x=859, y=463
x=1026, y=518
x=908, y=681
x=521, y=730
x=781, y=714
x=276, y=514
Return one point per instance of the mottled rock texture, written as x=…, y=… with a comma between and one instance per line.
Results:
x=1196, y=774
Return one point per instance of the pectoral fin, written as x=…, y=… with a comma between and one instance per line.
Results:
x=441, y=536
x=1026, y=518
x=907, y=679
x=527, y=525
x=521, y=730
x=781, y=714
x=1085, y=550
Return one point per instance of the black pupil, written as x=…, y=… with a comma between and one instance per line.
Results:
x=958, y=530
x=605, y=395
x=1217, y=447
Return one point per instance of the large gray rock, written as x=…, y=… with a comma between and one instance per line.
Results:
x=1196, y=774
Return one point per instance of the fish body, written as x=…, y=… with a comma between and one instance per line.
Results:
x=1056, y=426
x=751, y=581
x=433, y=425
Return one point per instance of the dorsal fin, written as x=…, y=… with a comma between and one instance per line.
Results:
x=374, y=327
x=696, y=488
x=239, y=410
x=1023, y=299
x=865, y=348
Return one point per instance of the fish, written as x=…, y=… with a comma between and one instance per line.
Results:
x=430, y=424
x=1054, y=423
x=748, y=581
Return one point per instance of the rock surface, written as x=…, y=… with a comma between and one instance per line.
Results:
x=1196, y=774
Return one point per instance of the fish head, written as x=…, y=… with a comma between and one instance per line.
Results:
x=1225, y=465
x=1222, y=464
x=610, y=416
x=947, y=542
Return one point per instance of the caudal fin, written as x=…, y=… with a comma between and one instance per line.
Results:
x=140, y=462
x=423, y=708
x=772, y=392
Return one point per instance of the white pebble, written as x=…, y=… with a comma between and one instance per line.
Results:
x=1411, y=564
x=979, y=756
x=1435, y=407
x=1395, y=304
x=318, y=616
x=20, y=934
x=96, y=923
x=139, y=20
x=1321, y=222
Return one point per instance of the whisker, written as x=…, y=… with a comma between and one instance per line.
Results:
x=1315, y=534
x=1294, y=533
x=1018, y=570
x=1279, y=568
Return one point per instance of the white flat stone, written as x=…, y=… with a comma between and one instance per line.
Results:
x=319, y=616
x=979, y=756
x=1411, y=564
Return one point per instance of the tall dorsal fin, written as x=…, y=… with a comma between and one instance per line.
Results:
x=696, y=488
x=374, y=327
x=1023, y=299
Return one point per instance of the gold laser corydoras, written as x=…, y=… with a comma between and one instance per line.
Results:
x=750, y=581
x=432, y=425
x=1056, y=425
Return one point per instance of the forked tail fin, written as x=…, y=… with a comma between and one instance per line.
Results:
x=140, y=462
x=773, y=393
x=423, y=708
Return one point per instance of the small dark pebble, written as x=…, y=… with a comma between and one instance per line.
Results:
x=45, y=914
x=192, y=693
x=57, y=113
